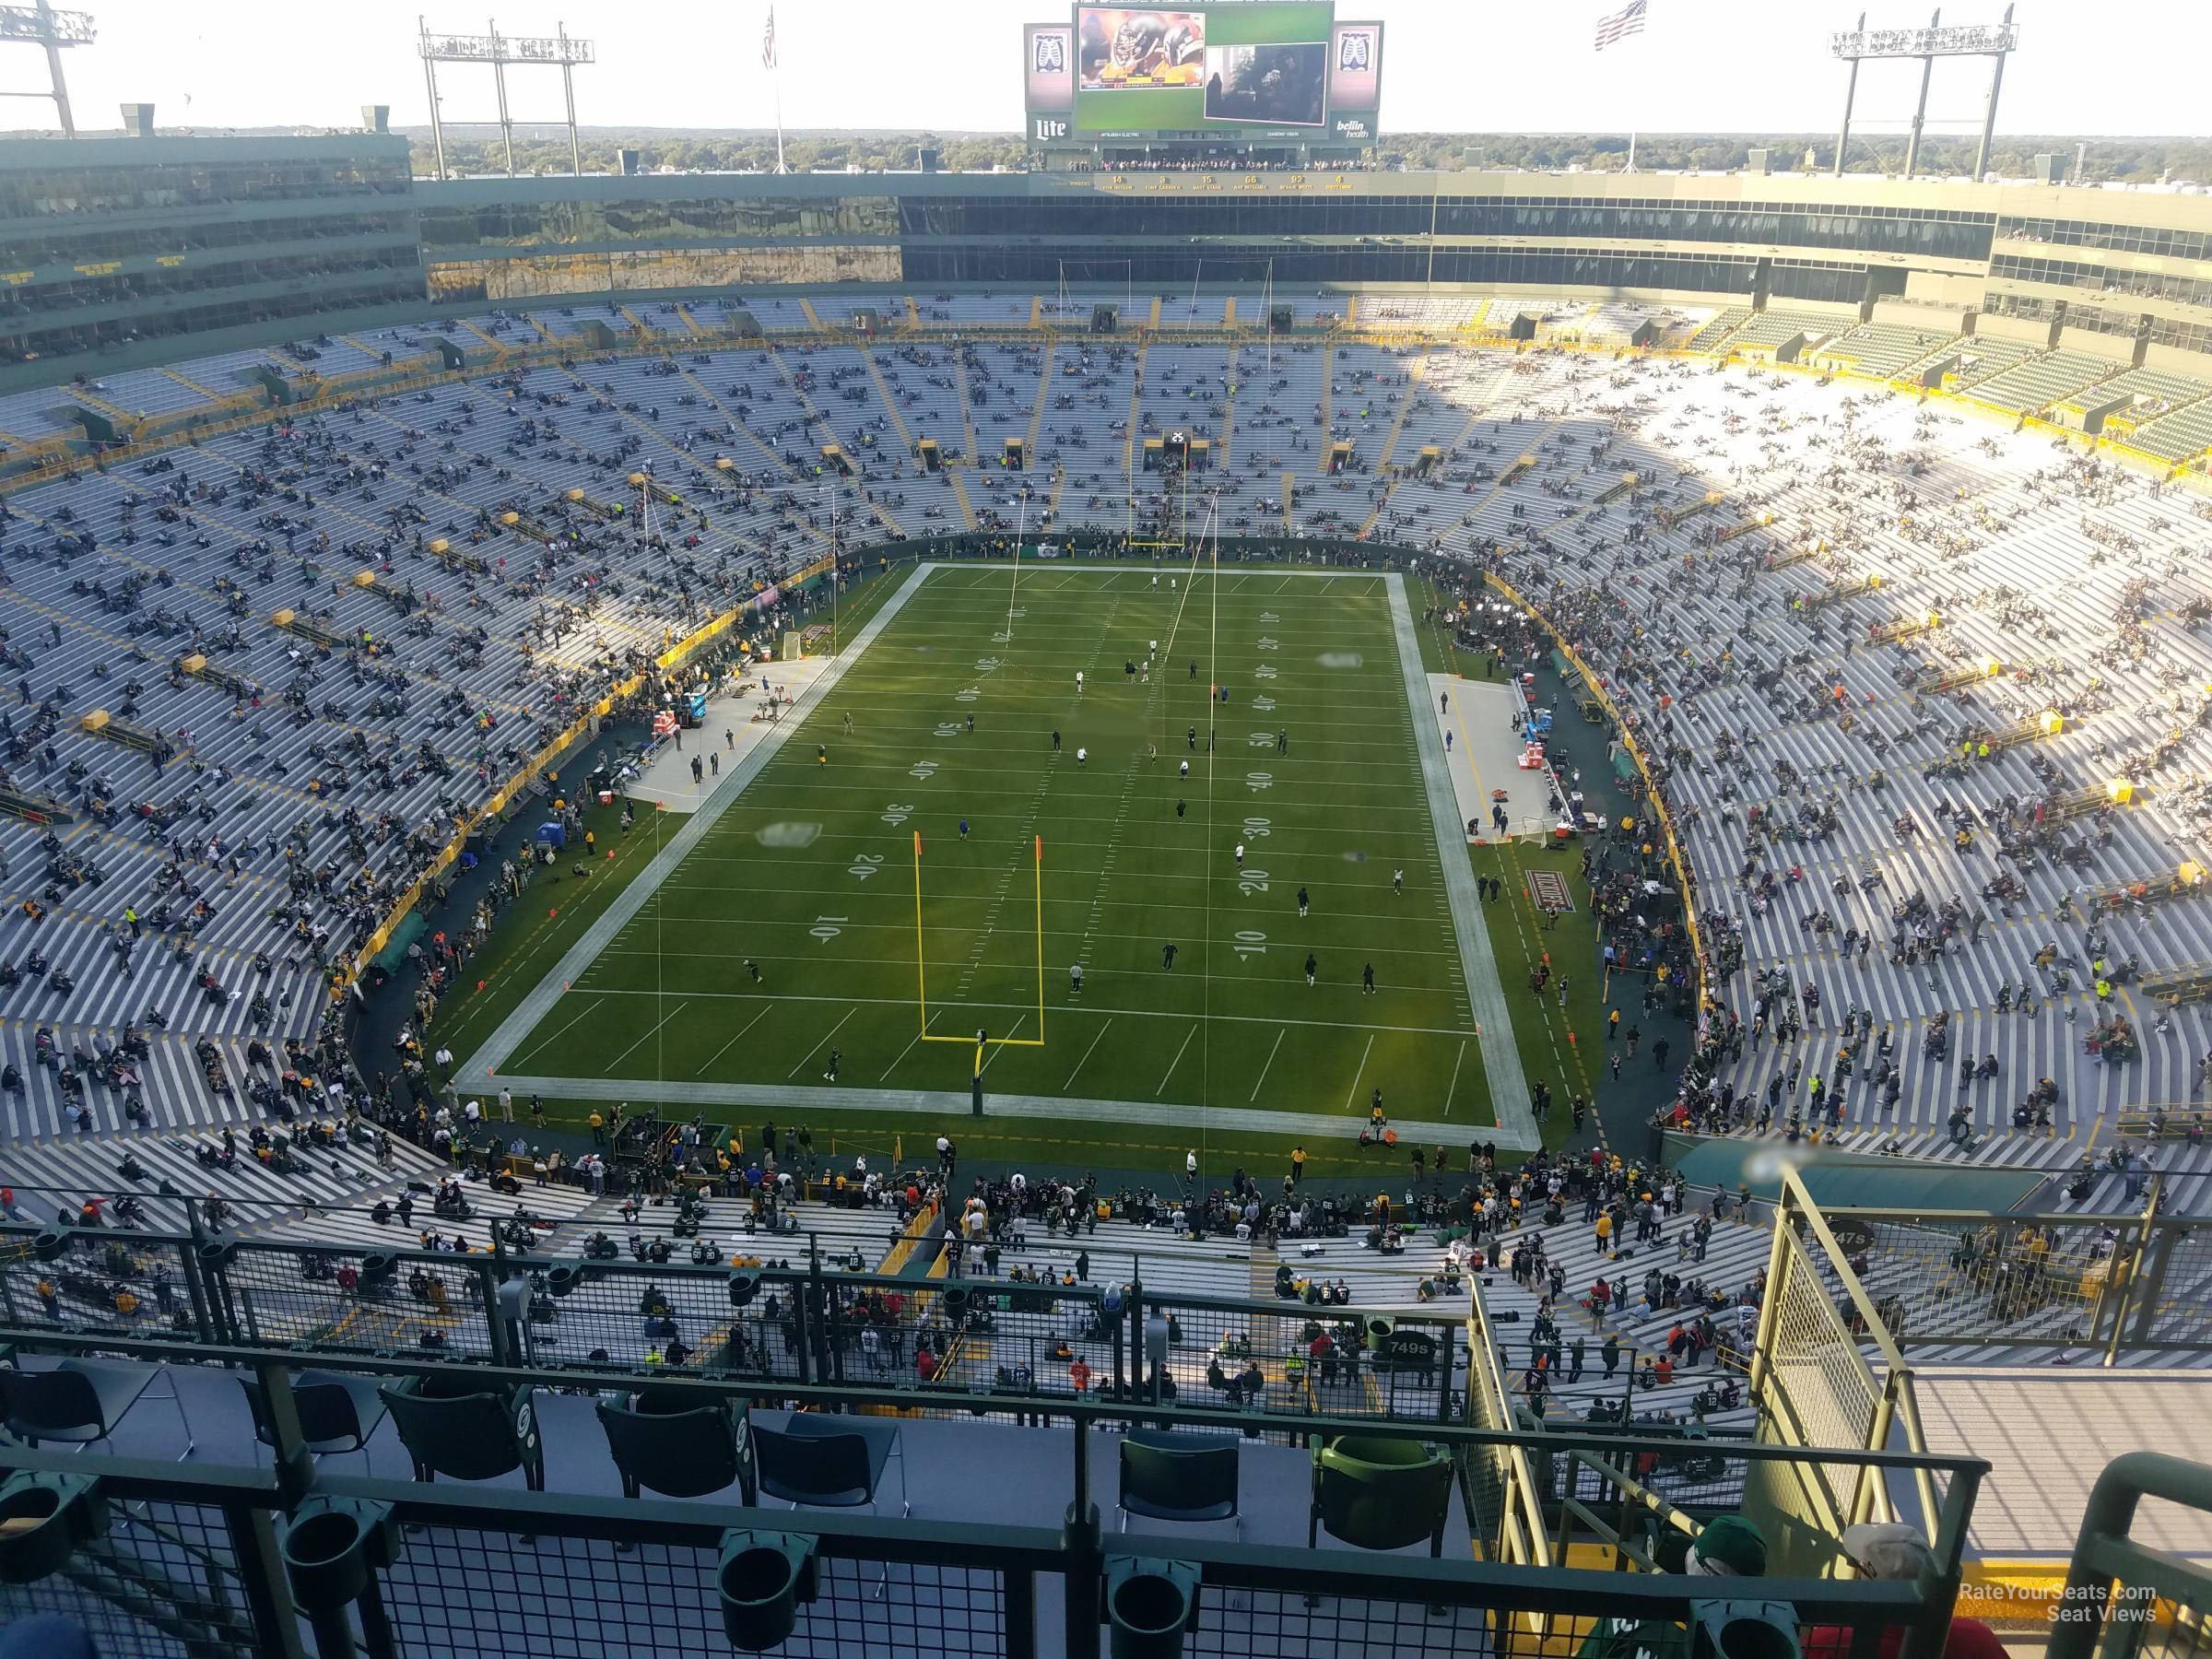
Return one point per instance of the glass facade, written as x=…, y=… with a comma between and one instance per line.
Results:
x=448, y=229
x=102, y=247
x=155, y=286
x=1301, y=263
x=1858, y=230
x=2037, y=309
x=2103, y=279
x=1872, y=230
x=33, y=192
x=2114, y=239
x=101, y=250
x=2182, y=336
x=519, y=277
x=35, y=243
x=321, y=291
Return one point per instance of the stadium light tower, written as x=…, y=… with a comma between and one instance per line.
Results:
x=500, y=51
x=41, y=25
x=1992, y=41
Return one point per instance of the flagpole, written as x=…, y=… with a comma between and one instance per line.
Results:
x=773, y=60
x=1612, y=29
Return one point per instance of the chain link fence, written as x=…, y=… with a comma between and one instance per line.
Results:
x=2106, y=1283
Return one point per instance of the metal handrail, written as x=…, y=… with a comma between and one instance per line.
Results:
x=2111, y=1572
x=1085, y=1411
x=1074, y=1553
x=1524, y=1513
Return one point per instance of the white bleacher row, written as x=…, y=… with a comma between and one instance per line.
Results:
x=839, y=1233
x=171, y=1082
x=1719, y=327
x=1121, y=1252
x=552, y=1210
x=51, y=1177
x=1983, y=357
x=1736, y=1255
x=1776, y=327
x=2186, y=1167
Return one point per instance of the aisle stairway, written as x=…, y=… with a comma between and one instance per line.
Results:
x=1734, y=1257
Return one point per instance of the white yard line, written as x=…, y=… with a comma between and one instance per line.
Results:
x=999, y=1048
x=1263, y=1077
x=832, y=1031
x=1088, y=1052
x=1354, y=1093
x=909, y=1048
x=1453, y=1085
x=758, y=925
x=904, y=1002
x=1178, y=1060
x=557, y=1031
x=649, y=1032
x=726, y=1048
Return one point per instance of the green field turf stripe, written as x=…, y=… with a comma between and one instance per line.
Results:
x=1177, y=1014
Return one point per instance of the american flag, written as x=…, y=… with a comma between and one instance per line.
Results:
x=767, y=41
x=1616, y=27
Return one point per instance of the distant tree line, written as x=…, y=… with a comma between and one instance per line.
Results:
x=2125, y=160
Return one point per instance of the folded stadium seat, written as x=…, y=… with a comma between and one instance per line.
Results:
x=80, y=1401
x=663, y=1440
x=449, y=1429
x=828, y=1462
x=338, y=1412
x=1187, y=1478
x=1378, y=1494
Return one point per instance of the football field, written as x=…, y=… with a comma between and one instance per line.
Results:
x=957, y=824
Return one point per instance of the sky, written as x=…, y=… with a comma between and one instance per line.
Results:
x=1448, y=66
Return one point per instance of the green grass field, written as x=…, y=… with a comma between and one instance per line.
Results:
x=811, y=873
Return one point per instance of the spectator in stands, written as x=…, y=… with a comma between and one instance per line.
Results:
x=1728, y=1547
x=1893, y=1549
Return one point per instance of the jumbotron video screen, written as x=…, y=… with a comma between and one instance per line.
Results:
x=1273, y=71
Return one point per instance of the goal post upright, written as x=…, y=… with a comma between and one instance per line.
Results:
x=1041, y=941
x=920, y=973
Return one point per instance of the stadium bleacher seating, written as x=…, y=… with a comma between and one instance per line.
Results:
x=1719, y=327
x=306, y=782
x=1880, y=351
x=1776, y=329
x=2040, y=381
x=1984, y=357
x=2183, y=435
